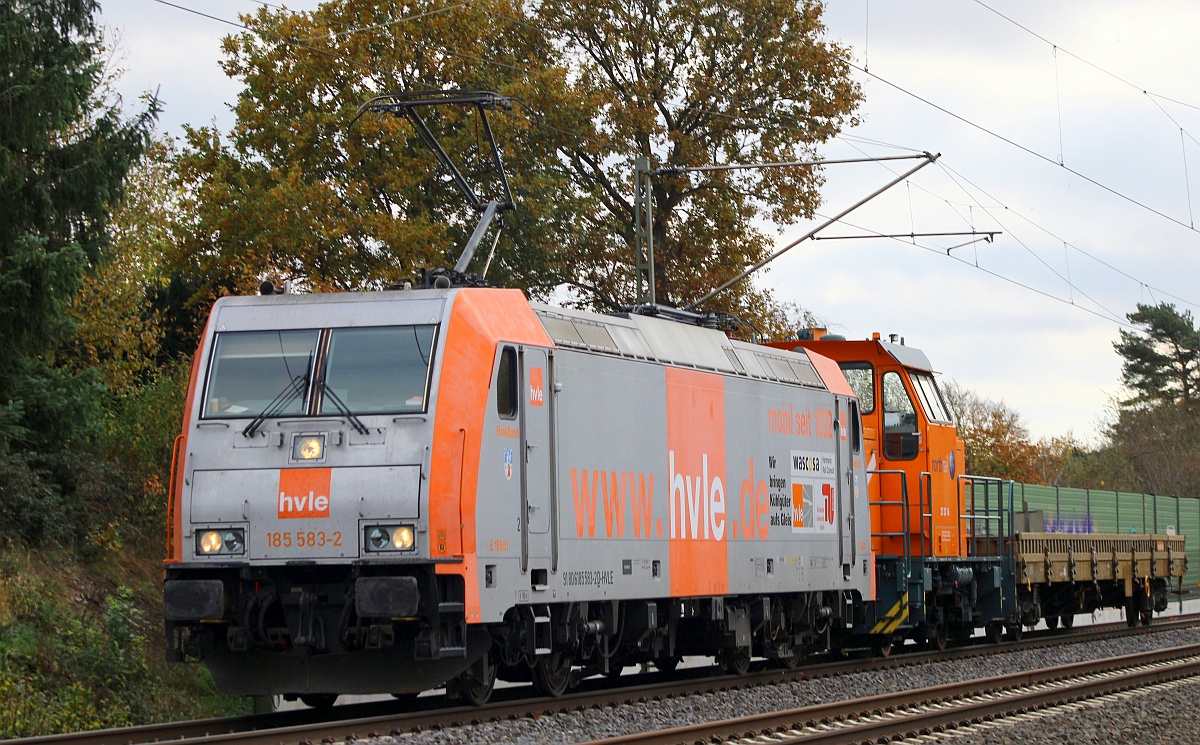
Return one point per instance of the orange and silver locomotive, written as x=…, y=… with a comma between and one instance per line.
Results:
x=392, y=491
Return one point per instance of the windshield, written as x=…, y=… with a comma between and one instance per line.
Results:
x=378, y=370
x=931, y=397
x=250, y=368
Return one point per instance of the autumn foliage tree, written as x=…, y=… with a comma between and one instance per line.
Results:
x=997, y=444
x=295, y=190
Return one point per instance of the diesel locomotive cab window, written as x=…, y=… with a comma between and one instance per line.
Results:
x=931, y=397
x=256, y=370
x=861, y=377
x=383, y=370
x=901, y=439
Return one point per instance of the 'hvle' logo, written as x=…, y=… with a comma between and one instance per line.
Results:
x=303, y=492
x=536, y=396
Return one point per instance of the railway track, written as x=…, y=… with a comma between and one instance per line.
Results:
x=382, y=718
x=934, y=710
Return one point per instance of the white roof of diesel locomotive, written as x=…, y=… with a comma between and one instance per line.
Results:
x=659, y=340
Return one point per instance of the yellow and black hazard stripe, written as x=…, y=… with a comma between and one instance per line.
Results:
x=896, y=616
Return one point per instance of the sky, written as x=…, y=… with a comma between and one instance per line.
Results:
x=1072, y=129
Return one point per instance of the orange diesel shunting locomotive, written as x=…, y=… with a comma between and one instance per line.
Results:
x=909, y=439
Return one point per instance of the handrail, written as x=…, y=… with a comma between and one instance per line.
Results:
x=904, y=508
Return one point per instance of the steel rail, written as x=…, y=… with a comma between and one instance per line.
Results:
x=932, y=710
x=509, y=703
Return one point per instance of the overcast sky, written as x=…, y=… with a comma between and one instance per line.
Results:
x=1077, y=137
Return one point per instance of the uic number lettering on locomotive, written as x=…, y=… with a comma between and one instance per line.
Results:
x=303, y=538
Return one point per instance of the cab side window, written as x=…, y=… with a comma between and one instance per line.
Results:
x=506, y=384
x=861, y=377
x=901, y=435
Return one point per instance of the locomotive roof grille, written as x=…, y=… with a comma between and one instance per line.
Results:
x=654, y=340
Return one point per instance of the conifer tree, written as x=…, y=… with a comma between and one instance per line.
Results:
x=64, y=154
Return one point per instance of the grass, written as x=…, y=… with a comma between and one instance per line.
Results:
x=81, y=646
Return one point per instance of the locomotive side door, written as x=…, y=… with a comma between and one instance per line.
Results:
x=537, y=415
x=844, y=470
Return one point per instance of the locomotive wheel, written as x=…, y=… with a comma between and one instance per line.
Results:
x=734, y=661
x=1015, y=632
x=552, y=674
x=993, y=632
x=470, y=689
x=791, y=662
x=883, y=649
x=319, y=700
x=1067, y=620
x=666, y=664
x=941, y=638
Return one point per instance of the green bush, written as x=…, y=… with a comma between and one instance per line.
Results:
x=76, y=656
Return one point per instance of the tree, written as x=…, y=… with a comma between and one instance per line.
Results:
x=690, y=84
x=300, y=193
x=995, y=441
x=1162, y=357
x=117, y=326
x=296, y=191
x=63, y=156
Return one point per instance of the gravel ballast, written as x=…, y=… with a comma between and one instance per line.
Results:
x=1170, y=715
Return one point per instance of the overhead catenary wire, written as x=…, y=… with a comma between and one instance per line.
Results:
x=303, y=45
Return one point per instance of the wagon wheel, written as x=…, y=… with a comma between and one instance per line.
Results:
x=1067, y=620
x=319, y=700
x=1131, y=612
x=470, y=689
x=1015, y=632
x=666, y=664
x=552, y=674
x=1052, y=622
x=993, y=632
x=734, y=661
x=1147, y=617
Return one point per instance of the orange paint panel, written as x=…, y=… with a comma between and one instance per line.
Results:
x=830, y=373
x=179, y=463
x=480, y=319
x=698, y=508
x=304, y=493
x=537, y=395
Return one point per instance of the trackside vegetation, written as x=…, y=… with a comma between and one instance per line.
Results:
x=116, y=239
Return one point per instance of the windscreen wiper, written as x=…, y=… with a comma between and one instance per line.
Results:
x=294, y=388
x=342, y=408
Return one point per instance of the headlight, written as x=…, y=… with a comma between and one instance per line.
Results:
x=308, y=447
x=210, y=542
x=224, y=542
x=378, y=539
x=390, y=538
x=402, y=538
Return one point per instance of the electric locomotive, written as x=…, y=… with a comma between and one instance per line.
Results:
x=387, y=492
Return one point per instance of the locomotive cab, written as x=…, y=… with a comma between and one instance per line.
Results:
x=911, y=444
x=938, y=535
